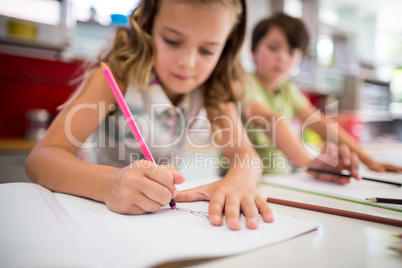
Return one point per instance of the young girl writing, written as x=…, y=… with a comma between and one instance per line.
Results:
x=278, y=44
x=176, y=57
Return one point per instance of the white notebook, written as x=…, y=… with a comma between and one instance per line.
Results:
x=40, y=228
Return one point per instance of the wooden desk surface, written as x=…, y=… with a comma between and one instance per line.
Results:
x=16, y=145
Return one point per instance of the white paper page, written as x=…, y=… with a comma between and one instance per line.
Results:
x=355, y=190
x=170, y=235
x=35, y=231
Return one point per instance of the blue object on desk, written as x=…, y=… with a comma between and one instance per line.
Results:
x=119, y=19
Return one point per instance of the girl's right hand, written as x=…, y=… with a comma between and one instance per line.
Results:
x=142, y=187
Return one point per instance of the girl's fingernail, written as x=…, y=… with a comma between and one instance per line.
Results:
x=254, y=221
x=214, y=220
x=174, y=194
x=271, y=218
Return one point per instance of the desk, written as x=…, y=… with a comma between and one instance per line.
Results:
x=13, y=153
x=16, y=145
x=338, y=242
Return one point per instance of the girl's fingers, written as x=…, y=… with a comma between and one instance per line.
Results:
x=156, y=192
x=131, y=210
x=178, y=178
x=215, y=209
x=136, y=210
x=250, y=211
x=148, y=205
x=264, y=209
x=152, y=181
x=170, y=167
x=191, y=195
x=130, y=205
x=232, y=212
x=162, y=175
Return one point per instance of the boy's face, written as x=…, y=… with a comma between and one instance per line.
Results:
x=189, y=40
x=274, y=57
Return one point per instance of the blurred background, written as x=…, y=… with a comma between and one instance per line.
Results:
x=354, y=63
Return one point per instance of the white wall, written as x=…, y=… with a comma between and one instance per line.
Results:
x=257, y=10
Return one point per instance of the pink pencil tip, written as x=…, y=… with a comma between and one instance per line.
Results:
x=104, y=66
x=174, y=207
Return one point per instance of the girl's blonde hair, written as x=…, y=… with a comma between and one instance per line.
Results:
x=132, y=55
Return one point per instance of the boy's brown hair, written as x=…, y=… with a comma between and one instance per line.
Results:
x=294, y=29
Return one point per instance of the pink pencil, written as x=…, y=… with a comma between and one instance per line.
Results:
x=129, y=117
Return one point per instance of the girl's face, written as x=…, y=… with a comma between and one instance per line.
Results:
x=189, y=40
x=274, y=57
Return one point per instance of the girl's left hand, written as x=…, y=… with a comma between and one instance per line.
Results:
x=231, y=195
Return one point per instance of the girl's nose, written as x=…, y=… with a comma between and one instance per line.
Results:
x=188, y=58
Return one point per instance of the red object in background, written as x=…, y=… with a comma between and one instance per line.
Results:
x=348, y=120
x=317, y=100
x=351, y=122
x=30, y=83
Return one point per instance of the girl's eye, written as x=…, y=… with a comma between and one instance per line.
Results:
x=206, y=52
x=171, y=42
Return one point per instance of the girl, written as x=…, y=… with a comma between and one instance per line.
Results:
x=278, y=44
x=175, y=57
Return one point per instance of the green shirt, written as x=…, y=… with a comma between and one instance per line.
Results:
x=287, y=102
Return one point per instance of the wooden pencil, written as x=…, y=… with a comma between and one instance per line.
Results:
x=385, y=200
x=335, y=211
x=397, y=235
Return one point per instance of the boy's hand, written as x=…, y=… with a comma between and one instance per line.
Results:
x=142, y=187
x=231, y=195
x=333, y=158
x=383, y=167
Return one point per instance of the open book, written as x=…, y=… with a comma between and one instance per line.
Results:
x=40, y=228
